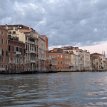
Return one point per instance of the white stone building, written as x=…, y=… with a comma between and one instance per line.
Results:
x=42, y=53
x=87, y=60
x=80, y=59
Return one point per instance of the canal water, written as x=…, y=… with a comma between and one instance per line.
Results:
x=80, y=89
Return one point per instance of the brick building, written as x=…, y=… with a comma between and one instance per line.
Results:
x=16, y=55
x=59, y=60
x=24, y=49
x=3, y=49
x=29, y=37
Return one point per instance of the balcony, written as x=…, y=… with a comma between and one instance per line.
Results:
x=2, y=69
x=31, y=42
x=32, y=51
x=32, y=60
x=18, y=53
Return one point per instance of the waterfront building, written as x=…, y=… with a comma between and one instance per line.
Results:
x=46, y=50
x=98, y=62
x=29, y=37
x=31, y=55
x=3, y=49
x=22, y=49
x=42, y=52
x=87, y=61
x=73, y=59
x=52, y=61
x=74, y=52
x=84, y=60
x=16, y=55
x=80, y=59
x=59, y=60
x=105, y=64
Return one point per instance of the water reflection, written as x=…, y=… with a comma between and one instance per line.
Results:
x=54, y=90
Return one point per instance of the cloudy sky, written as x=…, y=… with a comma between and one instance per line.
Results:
x=66, y=22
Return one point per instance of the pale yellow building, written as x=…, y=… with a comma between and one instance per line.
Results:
x=98, y=62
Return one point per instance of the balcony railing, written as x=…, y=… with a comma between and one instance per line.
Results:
x=18, y=53
x=32, y=61
x=31, y=51
x=2, y=69
x=30, y=42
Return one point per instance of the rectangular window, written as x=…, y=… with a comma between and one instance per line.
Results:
x=2, y=52
x=1, y=59
x=16, y=48
x=14, y=32
x=9, y=32
x=2, y=41
x=9, y=48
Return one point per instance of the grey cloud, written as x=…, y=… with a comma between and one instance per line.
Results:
x=63, y=21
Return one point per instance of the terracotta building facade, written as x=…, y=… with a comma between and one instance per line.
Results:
x=16, y=55
x=29, y=37
x=3, y=49
x=59, y=60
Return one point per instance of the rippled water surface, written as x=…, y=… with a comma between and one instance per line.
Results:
x=54, y=90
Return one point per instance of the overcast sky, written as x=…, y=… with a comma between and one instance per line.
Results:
x=65, y=22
